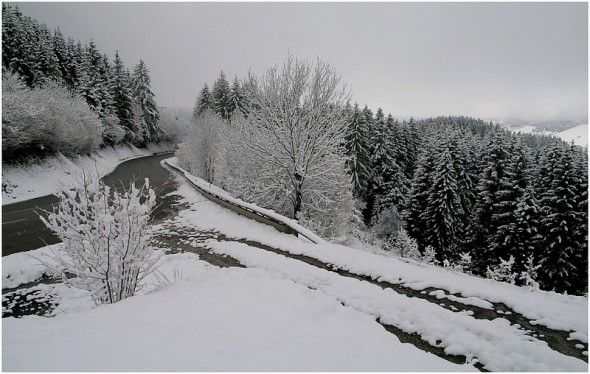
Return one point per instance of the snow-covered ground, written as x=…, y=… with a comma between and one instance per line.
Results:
x=23, y=182
x=579, y=134
x=282, y=314
x=209, y=319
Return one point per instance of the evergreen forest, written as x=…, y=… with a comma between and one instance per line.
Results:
x=61, y=96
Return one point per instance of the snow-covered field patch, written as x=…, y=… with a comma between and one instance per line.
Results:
x=21, y=183
x=211, y=319
x=577, y=134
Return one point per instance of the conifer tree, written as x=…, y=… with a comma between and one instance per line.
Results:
x=444, y=215
x=94, y=84
x=63, y=58
x=221, y=96
x=203, y=102
x=482, y=225
x=359, y=162
x=389, y=181
x=121, y=93
x=144, y=97
x=236, y=97
x=564, y=225
x=417, y=200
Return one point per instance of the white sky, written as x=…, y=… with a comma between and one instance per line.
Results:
x=489, y=60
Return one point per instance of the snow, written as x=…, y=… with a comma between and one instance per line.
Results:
x=282, y=314
x=496, y=344
x=550, y=309
x=46, y=178
x=212, y=320
x=579, y=134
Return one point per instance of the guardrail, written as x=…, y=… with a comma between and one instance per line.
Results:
x=261, y=215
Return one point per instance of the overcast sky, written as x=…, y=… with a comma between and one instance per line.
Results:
x=489, y=60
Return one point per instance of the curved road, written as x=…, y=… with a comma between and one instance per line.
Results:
x=22, y=230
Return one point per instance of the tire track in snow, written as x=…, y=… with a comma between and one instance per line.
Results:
x=557, y=340
x=497, y=344
x=195, y=243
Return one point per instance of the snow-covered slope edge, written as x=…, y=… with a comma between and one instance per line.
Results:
x=224, y=195
x=21, y=183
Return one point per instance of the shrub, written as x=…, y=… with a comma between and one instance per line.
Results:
x=105, y=241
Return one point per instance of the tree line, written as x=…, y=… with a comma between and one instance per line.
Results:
x=44, y=75
x=454, y=191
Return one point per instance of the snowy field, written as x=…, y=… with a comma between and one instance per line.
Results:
x=579, y=134
x=22, y=182
x=281, y=314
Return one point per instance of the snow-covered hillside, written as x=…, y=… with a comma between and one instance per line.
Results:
x=577, y=134
x=21, y=183
x=284, y=314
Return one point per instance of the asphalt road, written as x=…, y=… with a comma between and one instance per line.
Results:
x=22, y=230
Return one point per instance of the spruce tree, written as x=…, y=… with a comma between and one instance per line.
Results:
x=203, y=102
x=564, y=224
x=482, y=224
x=357, y=150
x=144, y=97
x=94, y=81
x=236, y=97
x=221, y=96
x=390, y=184
x=417, y=200
x=444, y=216
x=121, y=93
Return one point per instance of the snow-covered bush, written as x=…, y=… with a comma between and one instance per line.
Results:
x=173, y=125
x=113, y=132
x=47, y=119
x=502, y=272
x=429, y=256
x=388, y=223
x=200, y=148
x=406, y=246
x=465, y=263
x=529, y=275
x=106, y=244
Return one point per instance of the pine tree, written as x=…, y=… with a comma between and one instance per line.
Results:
x=236, y=97
x=121, y=93
x=417, y=200
x=359, y=162
x=444, y=215
x=94, y=81
x=46, y=63
x=203, y=102
x=221, y=96
x=515, y=213
x=389, y=181
x=564, y=225
x=143, y=95
x=483, y=224
x=63, y=58
x=76, y=61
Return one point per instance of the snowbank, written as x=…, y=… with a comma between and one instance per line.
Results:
x=21, y=183
x=224, y=195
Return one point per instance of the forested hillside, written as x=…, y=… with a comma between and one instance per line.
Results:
x=453, y=191
x=59, y=95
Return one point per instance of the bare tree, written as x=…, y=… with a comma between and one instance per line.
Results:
x=200, y=147
x=286, y=150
